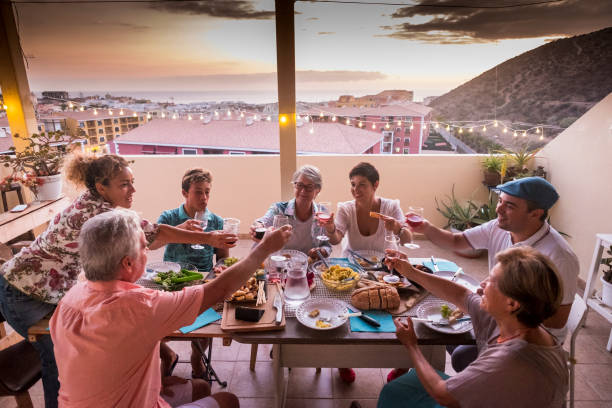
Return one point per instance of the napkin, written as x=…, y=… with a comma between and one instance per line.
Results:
x=385, y=319
x=202, y=320
x=442, y=265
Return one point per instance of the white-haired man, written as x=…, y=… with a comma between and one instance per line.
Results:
x=107, y=330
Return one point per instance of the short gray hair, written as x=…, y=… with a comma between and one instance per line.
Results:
x=105, y=240
x=311, y=173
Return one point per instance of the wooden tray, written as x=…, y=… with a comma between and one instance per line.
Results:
x=266, y=323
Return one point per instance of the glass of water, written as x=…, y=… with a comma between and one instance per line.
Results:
x=279, y=221
x=203, y=218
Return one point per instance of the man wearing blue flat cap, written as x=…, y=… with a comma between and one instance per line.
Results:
x=522, y=210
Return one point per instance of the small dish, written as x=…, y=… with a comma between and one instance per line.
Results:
x=431, y=311
x=332, y=310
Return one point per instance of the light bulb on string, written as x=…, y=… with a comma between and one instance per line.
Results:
x=255, y=117
x=348, y=122
x=399, y=123
x=471, y=130
x=436, y=125
x=387, y=126
x=201, y=117
x=110, y=112
x=541, y=137
x=460, y=130
x=360, y=124
x=70, y=105
x=269, y=118
x=334, y=118
x=505, y=130
x=411, y=126
x=121, y=112
x=447, y=128
x=81, y=109
x=189, y=117
x=229, y=113
x=524, y=133
x=163, y=115
x=149, y=115
x=174, y=116
x=311, y=131
x=495, y=123
x=134, y=114
x=321, y=114
x=373, y=126
x=537, y=130
x=514, y=135
x=216, y=113
x=242, y=114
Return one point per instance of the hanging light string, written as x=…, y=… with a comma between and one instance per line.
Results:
x=517, y=129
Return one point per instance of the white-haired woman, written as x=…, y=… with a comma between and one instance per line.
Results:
x=301, y=211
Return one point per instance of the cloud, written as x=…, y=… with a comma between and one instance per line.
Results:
x=446, y=22
x=231, y=9
x=326, y=32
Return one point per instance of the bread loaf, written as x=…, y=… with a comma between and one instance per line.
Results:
x=376, y=297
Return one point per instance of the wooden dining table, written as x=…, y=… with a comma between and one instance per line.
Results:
x=300, y=346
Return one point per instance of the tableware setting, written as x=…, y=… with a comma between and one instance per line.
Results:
x=341, y=274
x=367, y=259
x=431, y=313
x=461, y=278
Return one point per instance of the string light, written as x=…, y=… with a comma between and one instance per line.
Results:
x=121, y=112
x=81, y=108
x=311, y=131
x=133, y=114
x=471, y=129
x=216, y=113
x=411, y=126
x=515, y=135
x=189, y=117
x=110, y=112
x=505, y=130
x=283, y=119
x=525, y=133
x=538, y=130
x=374, y=126
x=447, y=128
x=201, y=117
x=269, y=118
x=348, y=122
x=460, y=130
x=321, y=114
x=334, y=119
x=70, y=105
x=484, y=128
x=436, y=125
x=174, y=116
x=241, y=114
x=495, y=123
x=149, y=116
x=229, y=113
x=4, y=107
x=360, y=124
x=163, y=115
x=399, y=123
x=387, y=126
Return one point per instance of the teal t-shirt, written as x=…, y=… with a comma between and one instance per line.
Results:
x=200, y=258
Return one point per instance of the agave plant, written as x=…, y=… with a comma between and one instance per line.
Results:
x=460, y=216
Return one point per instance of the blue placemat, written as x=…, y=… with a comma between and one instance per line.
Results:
x=385, y=319
x=202, y=320
x=442, y=265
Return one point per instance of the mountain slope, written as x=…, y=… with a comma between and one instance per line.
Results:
x=552, y=84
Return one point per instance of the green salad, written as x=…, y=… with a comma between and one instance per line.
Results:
x=230, y=261
x=175, y=280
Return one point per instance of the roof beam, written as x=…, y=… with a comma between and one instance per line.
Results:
x=14, y=80
x=285, y=68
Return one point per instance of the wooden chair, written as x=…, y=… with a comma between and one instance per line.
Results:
x=575, y=322
x=20, y=369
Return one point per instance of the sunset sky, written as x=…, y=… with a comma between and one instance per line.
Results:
x=340, y=48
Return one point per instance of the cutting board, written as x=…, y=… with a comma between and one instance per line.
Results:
x=266, y=323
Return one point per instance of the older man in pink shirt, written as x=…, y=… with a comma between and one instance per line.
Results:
x=107, y=330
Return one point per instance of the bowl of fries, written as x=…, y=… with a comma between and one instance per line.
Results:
x=340, y=277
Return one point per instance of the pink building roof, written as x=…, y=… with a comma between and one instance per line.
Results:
x=89, y=114
x=260, y=136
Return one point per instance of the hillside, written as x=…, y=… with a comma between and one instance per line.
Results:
x=553, y=84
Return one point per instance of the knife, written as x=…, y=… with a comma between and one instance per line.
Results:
x=278, y=305
x=435, y=265
x=369, y=320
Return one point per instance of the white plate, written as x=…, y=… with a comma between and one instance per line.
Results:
x=331, y=308
x=153, y=268
x=368, y=254
x=431, y=310
x=462, y=279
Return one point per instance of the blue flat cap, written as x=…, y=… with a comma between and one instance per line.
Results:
x=534, y=189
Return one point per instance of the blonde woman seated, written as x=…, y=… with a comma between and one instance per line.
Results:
x=520, y=363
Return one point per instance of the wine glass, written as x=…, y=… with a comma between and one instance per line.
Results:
x=279, y=221
x=230, y=225
x=323, y=214
x=414, y=218
x=203, y=218
x=391, y=242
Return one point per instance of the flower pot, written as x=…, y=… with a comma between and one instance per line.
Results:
x=50, y=189
x=606, y=292
x=492, y=178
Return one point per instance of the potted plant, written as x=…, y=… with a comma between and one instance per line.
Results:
x=464, y=215
x=492, y=167
x=38, y=165
x=606, y=279
x=515, y=163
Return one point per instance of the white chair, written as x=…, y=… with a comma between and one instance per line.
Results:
x=575, y=321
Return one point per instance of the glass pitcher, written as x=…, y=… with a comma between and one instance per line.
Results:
x=296, y=283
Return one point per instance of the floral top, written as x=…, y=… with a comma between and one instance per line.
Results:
x=49, y=267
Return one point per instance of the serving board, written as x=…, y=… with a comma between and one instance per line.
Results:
x=266, y=323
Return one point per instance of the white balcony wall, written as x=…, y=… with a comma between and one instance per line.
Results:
x=579, y=162
x=244, y=187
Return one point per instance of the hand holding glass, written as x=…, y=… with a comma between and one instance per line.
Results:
x=279, y=221
x=230, y=225
x=200, y=216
